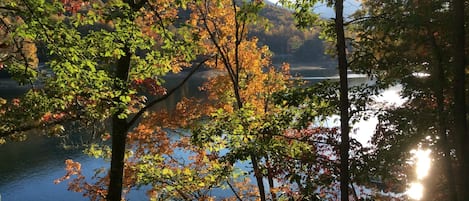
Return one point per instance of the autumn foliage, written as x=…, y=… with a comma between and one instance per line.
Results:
x=198, y=147
x=188, y=152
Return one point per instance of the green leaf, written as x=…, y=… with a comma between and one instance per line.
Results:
x=125, y=99
x=122, y=116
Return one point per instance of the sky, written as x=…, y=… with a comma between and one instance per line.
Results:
x=350, y=6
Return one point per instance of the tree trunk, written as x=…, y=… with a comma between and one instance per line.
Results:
x=119, y=133
x=442, y=121
x=270, y=178
x=254, y=159
x=258, y=175
x=344, y=103
x=460, y=111
x=239, y=102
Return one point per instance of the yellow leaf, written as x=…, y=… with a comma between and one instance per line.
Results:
x=167, y=172
x=187, y=171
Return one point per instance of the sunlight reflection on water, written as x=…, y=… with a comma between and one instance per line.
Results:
x=415, y=191
x=422, y=163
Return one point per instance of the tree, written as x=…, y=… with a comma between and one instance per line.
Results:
x=254, y=130
x=97, y=50
x=120, y=78
x=18, y=52
x=161, y=156
x=397, y=48
x=240, y=58
x=344, y=103
x=306, y=18
x=460, y=93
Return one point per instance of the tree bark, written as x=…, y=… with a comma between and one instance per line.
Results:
x=344, y=102
x=258, y=175
x=254, y=158
x=460, y=110
x=270, y=178
x=442, y=121
x=119, y=133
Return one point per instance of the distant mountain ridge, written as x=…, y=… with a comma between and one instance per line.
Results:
x=350, y=6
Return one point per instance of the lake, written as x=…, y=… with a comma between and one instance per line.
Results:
x=28, y=169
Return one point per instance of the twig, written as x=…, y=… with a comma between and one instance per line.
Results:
x=234, y=191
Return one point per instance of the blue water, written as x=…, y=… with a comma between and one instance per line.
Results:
x=28, y=169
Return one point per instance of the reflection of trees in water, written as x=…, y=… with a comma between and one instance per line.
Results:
x=188, y=90
x=76, y=135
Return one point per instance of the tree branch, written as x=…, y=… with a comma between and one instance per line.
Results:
x=10, y=8
x=36, y=126
x=234, y=191
x=223, y=53
x=361, y=19
x=170, y=92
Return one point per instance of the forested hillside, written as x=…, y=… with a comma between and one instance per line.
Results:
x=286, y=41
